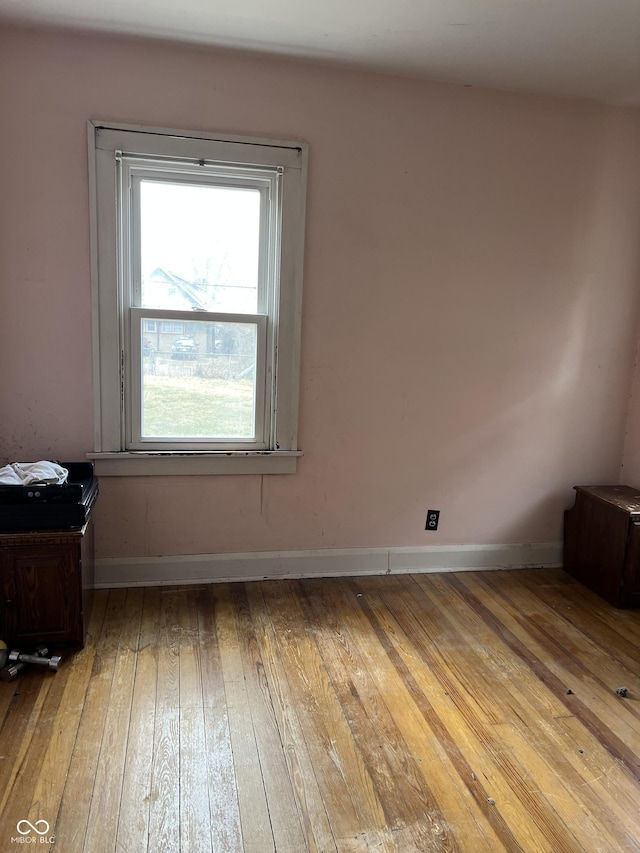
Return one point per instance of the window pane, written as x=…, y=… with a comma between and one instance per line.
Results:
x=199, y=247
x=200, y=384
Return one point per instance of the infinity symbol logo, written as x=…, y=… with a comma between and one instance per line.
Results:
x=33, y=827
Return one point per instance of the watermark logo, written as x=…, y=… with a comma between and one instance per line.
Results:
x=31, y=827
x=25, y=828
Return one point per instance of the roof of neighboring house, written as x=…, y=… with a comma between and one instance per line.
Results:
x=190, y=293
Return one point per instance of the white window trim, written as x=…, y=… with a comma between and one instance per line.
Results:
x=111, y=457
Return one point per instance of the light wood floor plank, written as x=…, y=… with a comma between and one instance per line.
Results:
x=135, y=805
x=226, y=831
x=582, y=654
x=561, y=671
x=312, y=813
x=164, y=817
x=47, y=796
x=257, y=834
x=102, y=826
x=22, y=763
x=348, y=791
x=408, y=803
x=534, y=730
x=472, y=712
x=576, y=600
x=520, y=820
x=283, y=814
x=71, y=826
x=195, y=825
x=454, y=799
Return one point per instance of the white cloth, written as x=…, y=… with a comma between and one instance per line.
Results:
x=26, y=473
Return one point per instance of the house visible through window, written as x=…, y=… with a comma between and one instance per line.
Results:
x=198, y=280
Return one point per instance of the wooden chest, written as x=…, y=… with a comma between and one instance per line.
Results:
x=602, y=542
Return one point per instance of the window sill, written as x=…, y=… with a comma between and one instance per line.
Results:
x=144, y=464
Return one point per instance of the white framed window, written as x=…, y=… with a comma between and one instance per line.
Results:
x=197, y=250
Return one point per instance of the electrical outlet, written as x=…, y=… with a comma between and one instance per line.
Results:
x=433, y=517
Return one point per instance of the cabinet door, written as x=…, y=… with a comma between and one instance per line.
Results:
x=595, y=545
x=630, y=586
x=41, y=585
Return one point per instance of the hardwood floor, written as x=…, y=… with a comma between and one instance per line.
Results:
x=455, y=712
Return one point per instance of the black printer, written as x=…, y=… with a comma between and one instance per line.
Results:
x=63, y=506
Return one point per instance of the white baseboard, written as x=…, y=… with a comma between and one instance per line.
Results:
x=261, y=565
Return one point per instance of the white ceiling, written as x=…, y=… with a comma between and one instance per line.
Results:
x=584, y=48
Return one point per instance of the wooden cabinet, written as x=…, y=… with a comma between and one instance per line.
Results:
x=46, y=579
x=602, y=542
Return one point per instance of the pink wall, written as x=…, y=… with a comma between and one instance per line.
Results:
x=470, y=306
